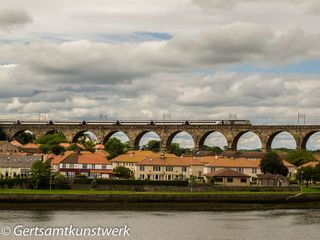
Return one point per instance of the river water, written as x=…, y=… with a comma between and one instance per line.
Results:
x=246, y=225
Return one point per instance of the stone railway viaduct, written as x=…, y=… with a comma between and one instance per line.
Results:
x=167, y=132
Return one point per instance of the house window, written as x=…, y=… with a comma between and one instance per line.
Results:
x=64, y=165
x=71, y=165
x=156, y=169
x=218, y=179
x=243, y=180
x=254, y=170
x=230, y=180
x=213, y=169
x=84, y=166
x=169, y=177
x=104, y=166
x=169, y=168
x=71, y=174
x=240, y=170
x=141, y=176
x=93, y=166
x=141, y=168
x=156, y=177
x=184, y=169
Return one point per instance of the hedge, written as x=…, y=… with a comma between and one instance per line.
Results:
x=11, y=182
x=102, y=181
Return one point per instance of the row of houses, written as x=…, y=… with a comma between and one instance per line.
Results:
x=227, y=169
x=159, y=166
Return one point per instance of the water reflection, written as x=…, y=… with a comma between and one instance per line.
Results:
x=264, y=225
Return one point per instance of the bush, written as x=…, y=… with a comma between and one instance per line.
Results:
x=16, y=182
x=61, y=182
x=82, y=180
x=103, y=181
x=293, y=181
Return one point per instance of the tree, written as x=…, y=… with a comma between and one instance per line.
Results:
x=153, y=145
x=41, y=173
x=52, y=139
x=115, y=147
x=307, y=174
x=24, y=137
x=175, y=149
x=122, y=172
x=89, y=146
x=272, y=163
x=57, y=149
x=300, y=156
x=74, y=147
x=50, y=143
x=214, y=149
x=3, y=135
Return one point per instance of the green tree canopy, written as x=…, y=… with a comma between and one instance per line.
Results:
x=272, y=163
x=122, y=172
x=89, y=145
x=115, y=147
x=52, y=139
x=74, y=147
x=175, y=149
x=50, y=143
x=300, y=156
x=214, y=149
x=306, y=174
x=24, y=137
x=152, y=145
x=41, y=173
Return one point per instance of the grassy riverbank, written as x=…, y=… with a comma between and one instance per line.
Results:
x=99, y=192
x=23, y=199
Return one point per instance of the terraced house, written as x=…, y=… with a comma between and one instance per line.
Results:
x=131, y=158
x=17, y=165
x=8, y=148
x=250, y=167
x=93, y=165
x=168, y=168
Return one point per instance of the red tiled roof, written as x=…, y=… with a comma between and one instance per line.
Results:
x=227, y=173
x=99, y=146
x=60, y=158
x=31, y=145
x=138, y=156
x=66, y=145
x=16, y=143
x=310, y=164
x=84, y=158
x=170, y=161
x=237, y=162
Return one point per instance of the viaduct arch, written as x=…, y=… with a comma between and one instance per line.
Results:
x=166, y=132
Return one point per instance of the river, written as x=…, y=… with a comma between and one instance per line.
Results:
x=236, y=225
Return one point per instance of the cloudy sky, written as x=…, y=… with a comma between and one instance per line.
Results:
x=138, y=59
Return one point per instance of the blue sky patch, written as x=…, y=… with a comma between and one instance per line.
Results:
x=134, y=37
x=305, y=67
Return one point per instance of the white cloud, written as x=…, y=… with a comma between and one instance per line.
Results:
x=11, y=18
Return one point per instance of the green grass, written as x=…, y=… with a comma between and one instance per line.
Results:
x=306, y=190
x=311, y=189
x=40, y=191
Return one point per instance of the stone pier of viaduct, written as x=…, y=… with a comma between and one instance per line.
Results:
x=232, y=133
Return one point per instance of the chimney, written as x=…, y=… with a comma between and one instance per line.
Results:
x=162, y=157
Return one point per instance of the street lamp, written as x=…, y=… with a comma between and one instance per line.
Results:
x=301, y=177
x=193, y=155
